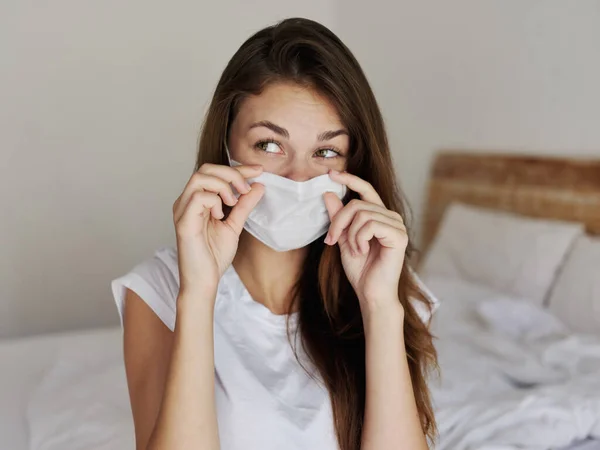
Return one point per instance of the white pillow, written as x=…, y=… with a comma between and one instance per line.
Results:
x=520, y=320
x=514, y=255
x=575, y=298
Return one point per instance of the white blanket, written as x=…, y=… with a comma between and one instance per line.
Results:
x=512, y=375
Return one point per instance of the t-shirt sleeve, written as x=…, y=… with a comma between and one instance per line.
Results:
x=156, y=282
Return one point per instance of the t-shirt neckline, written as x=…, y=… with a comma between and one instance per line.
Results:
x=255, y=309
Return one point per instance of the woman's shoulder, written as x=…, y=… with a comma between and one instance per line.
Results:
x=156, y=281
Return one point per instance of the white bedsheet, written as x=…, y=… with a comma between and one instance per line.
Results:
x=82, y=403
x=69, y=389
x=27, y=362
x=512, y=378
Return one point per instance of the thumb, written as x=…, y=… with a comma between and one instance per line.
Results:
x=332, y=203
x=246, y=203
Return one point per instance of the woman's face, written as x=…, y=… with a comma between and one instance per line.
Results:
x=291, y=131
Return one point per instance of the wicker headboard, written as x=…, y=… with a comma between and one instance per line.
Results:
x=536, y=186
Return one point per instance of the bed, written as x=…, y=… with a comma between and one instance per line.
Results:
x=512, y=253
x=94, y=414
x=68, y=391
x=65, y=391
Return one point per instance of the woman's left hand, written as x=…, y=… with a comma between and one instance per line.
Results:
x=372, y=241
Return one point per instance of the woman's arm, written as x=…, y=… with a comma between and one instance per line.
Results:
x=182, y=412
x=372, y=241
x=391, y=416
x=187, y=418
x=171, y=375
x=147, y=349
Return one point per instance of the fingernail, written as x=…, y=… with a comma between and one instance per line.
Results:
x=248, y=187
x=335, y=172
x=328, y=239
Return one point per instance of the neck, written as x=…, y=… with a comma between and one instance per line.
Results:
x=269, y=276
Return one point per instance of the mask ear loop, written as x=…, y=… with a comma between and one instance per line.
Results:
x=227, y=209
x=231, y=162
x=227, y=153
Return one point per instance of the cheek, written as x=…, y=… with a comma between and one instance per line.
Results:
x=340, y=164
x=245, y=156
x=320, y=167
x=272, y=166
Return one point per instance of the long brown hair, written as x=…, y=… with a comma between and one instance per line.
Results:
x=330, y=322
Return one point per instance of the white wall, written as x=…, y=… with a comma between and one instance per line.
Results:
x=100, y=108
x=504, y=74
x=101, y=103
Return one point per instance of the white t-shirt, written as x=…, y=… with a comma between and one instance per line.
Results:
x=264, y=398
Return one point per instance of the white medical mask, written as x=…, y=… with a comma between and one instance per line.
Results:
x=291, y=214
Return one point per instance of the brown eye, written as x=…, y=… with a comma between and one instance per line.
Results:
x=326, y=153
x=268, y=146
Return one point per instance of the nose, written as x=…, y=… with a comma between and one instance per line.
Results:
x=297, y=172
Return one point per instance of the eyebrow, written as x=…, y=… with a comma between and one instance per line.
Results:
x=325, y=136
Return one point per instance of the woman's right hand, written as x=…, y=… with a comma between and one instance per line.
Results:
x=206, y=243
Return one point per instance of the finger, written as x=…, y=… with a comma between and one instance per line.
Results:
x=204, y=182
x=201, y=204
x=387, y=235
x=238, y=215
x=360, y=219
x=332, y=203
x=344, y=217
x=344, y=243
x=234, y=175
x=182, y=203
x=196, y=183
x=204, y=179
x=363, y=188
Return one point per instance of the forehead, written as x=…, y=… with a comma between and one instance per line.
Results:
x=290, y=105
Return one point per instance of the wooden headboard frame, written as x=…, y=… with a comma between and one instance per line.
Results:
x=535, y=186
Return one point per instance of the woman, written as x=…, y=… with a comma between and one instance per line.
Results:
x=258, y=333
